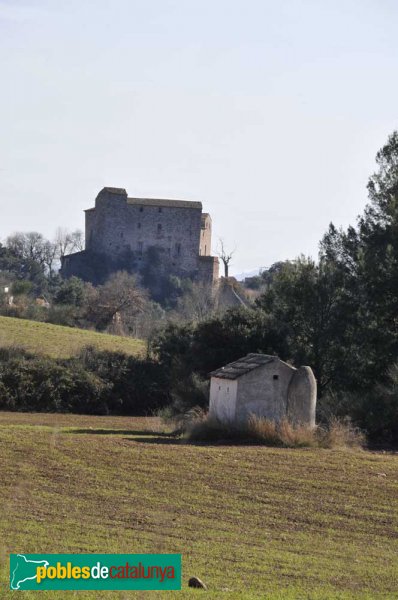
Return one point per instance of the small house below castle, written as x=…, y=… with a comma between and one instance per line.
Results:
x=264, y=386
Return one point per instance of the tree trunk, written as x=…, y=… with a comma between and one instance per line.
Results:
x=225, y=269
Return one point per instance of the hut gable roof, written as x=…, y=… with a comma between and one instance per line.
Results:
x=244, y=365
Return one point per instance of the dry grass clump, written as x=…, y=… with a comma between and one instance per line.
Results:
x=337, y=434
x=282, y=434
x=340, y=434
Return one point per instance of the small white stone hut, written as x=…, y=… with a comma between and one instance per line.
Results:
x=265, y=386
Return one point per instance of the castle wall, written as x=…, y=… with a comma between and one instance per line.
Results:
x=205, y=236
x=208, y=268
x=76, y=264
x=90, y=226
x=118, y=224
x=105, y=222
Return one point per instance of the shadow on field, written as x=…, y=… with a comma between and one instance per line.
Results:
x=165, y=439
x=145, y=436
x=176, y=439
x=159, y=434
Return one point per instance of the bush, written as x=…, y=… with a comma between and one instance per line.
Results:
x=213, y=343
x=44, y=385
x=60, y=314
x=70, y=292
x=136, y=386
x=340, y=433
x=92, y=383
x=188, y=393
x=21, y=287
x=374, y=410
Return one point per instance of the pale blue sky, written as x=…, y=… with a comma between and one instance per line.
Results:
x=270, y=113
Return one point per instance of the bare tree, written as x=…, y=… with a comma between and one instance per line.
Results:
x=63, y=242
x=118, y=299
x=49, y=257
x=198, y=303
x=33, y=246
x=77, y=239
x=225, y=256
x=68, y=242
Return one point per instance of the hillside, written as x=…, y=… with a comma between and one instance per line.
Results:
x=61, y=342
x=252, y=522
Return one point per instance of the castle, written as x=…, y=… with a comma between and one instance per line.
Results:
x=125, y=233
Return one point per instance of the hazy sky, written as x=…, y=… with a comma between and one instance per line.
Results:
x=270, y=113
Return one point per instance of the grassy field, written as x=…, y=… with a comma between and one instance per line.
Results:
x=61, y=342
x=252, y=522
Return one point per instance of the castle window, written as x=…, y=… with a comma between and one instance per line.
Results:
x=140, y=248
x=160, y=209
x=141, y=208
x=275, y=377
x=121, y=234
x=159, y=228
x=178, y=249
x=139, y=225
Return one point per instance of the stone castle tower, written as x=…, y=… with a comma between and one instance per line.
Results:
x=123, y=233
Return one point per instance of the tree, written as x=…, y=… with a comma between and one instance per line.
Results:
x=77, y=239
x=67, y=242
x=310, y=299
x=71, y=291
x=50, y=257
x=225, y=256
x=367, y=259
x=21, y=260
x=30, y=246
x=197, y=303
x=213, y=343
x=119, y=296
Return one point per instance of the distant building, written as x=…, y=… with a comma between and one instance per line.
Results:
x=122, y=234
x=264, y=386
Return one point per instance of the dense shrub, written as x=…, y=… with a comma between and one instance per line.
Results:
x=375, y=410
x=45, y=385
x=63, y=314
x=93, y=383
x=136, y=386
x=70, y=291
x=217, y=341
x=189, y=353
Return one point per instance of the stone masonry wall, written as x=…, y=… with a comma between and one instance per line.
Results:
x=179, y=229
x=205, y=236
